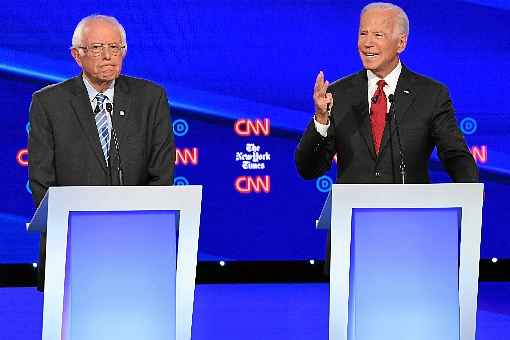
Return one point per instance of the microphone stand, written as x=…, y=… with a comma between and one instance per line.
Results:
x=109, y=108
x=388, y=119
x=400, y=149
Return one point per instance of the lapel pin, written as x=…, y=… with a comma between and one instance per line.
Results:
x=121, y=113
x=406, y=91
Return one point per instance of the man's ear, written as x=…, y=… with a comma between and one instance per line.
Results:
x=76, y=55
x=402, y=43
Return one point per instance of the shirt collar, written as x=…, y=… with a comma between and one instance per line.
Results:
x=92, y=92
x=391, y=79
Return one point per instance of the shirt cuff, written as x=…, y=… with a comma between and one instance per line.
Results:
x=322, y=129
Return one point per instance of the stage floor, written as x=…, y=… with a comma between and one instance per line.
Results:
x=253, y=312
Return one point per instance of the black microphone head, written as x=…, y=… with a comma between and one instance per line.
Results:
x=97, y=110
x=109, y=107
x=391, y=98
x=374, y=99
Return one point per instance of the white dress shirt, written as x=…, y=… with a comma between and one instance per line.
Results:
x=391, y=84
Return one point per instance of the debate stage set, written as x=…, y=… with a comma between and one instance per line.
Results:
x=236, y=248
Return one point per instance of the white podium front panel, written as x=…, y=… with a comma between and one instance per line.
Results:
x=183, y=203
x=344, y=199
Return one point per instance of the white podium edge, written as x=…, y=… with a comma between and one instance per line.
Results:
x=59, y=201
x=343, y=198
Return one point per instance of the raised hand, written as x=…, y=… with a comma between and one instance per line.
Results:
x=322, y=100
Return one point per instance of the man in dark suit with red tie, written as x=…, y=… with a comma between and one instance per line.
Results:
x=351, y=115
x=99, y=128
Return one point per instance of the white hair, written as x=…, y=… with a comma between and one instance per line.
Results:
x=77, y=40
x=402, y=19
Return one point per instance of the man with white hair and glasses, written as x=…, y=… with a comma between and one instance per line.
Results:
x=101, y=127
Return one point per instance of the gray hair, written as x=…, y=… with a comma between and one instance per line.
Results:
x=78, y=31
x=402, y=19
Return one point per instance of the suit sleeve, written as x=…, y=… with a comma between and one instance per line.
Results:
x=451, y=146
x=162, y=149
x=41, y=151
x=314, y=152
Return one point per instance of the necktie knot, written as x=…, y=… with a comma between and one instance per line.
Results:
x=381, y=84
x=100, y=98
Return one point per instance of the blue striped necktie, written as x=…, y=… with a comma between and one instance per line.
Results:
x=102, y=125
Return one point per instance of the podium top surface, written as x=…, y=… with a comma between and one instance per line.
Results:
x=445, y=195
x=114, y=198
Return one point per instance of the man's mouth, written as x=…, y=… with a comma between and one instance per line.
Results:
x=370, y=55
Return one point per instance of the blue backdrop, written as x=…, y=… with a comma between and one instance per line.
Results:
x=222, y=61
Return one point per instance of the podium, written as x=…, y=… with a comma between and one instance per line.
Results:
x=404, y=260
x=120, y=261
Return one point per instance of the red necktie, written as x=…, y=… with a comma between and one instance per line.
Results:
x=378, y=112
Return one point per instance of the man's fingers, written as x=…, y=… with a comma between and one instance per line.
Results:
x=324, y=89
x=320, y=86
x=322, y=99
x=318, y=82
x=320, y=92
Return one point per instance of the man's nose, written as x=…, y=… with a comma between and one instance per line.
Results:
x=106, y=53
x=368, y=42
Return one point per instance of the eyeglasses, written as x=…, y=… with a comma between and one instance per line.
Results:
x=96, y=50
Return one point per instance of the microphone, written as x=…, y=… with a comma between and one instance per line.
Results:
x=373, y=100
x=109, y=108
x=97, y=110
x=392, y=115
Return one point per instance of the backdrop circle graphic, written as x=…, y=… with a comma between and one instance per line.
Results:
x=181, y=180
x=180, y=127
x=468, y=125
x=324, y=183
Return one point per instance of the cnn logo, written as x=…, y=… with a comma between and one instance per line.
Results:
x=248, y=184
x=186, y=156
x=252, y=127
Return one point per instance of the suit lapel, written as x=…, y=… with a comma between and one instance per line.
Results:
x=362, y=108
x=404, y=97
x=404, y=94
x=121, y=104
x=83, y=111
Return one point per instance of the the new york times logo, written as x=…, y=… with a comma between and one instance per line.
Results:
x=253, y=158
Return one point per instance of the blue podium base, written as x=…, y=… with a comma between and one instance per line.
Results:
x=404, y=274
x=120, y=289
